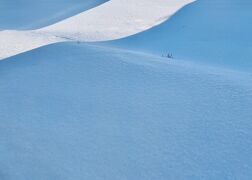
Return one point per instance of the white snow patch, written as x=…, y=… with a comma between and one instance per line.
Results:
x=116, y=19
x=112, y=20
x=15, y=42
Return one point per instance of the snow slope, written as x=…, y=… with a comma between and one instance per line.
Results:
x=33, y=14
x=216, y=32
x=81, y=111
x=111, y=20
x=116, y=19
x=15, y=42
x=73, y=111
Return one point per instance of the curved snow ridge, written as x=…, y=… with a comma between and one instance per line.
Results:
x=116, y=19
x=16, y=42
x=112, y=20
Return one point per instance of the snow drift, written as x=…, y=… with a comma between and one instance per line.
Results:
x=71, y=111
x=113, y=19
x=81, y=111
x=216, y=32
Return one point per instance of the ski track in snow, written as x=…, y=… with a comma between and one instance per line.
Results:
x=112, y=20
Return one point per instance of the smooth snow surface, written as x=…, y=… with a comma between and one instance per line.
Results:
x=117, y=110
x=15, y=42
x=33, y=14
x=111, y=20
x=71, y=111
x=116, y=19
x=215, y=32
